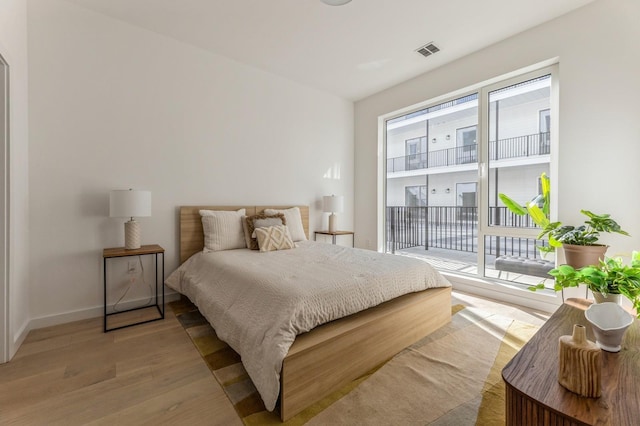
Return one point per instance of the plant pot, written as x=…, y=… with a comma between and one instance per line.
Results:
x=579, y=256
x=609, y=297
x=609, y=322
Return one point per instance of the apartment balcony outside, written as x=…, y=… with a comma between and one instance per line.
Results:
x=448, y=237
x=517, y=147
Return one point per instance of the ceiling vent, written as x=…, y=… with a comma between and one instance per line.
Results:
x=428, y=49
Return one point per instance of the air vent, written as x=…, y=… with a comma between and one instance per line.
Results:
x=428, y=49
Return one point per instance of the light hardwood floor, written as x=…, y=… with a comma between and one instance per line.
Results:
x=75, y=374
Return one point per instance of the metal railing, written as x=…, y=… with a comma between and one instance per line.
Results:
x=455, y=228
x=520, y=146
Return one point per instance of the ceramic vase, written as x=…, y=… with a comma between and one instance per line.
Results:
x=609, y=322
x=580, y=365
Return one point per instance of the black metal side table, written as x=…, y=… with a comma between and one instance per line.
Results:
x=334, y=234
x=153, y=249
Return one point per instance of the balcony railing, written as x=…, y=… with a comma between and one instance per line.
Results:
x=520, y=146
x=455, y=228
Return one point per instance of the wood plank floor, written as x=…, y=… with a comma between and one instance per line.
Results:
x=74, y=374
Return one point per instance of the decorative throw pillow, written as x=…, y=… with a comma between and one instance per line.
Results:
x=274, y=238
x=222, y=229
x=250, y=223
x=294, y=222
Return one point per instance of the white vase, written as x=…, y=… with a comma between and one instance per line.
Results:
x=609, y=322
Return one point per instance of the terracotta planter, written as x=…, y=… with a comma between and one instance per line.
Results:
x=579, y=256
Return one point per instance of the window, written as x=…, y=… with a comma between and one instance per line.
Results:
x=416, y=153
x=544, y=127
x=467, y=151
x=467, y=147
x=415, y=196
x=466, y=194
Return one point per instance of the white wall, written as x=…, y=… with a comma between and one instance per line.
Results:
x=113, y=107
x=13, y=47
x=599, y=110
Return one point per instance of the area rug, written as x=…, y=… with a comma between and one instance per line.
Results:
x=451, y=377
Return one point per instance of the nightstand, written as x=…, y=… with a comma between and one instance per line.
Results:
x=158, y=304
x=334, y=234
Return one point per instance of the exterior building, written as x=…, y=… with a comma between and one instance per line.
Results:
x=432, y=167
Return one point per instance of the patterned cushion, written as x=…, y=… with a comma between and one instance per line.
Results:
x=250, y=223
x=274, y=238
x=222, y=229
x=294, y=222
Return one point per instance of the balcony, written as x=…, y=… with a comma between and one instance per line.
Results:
x=456, y=229
x=518, y=147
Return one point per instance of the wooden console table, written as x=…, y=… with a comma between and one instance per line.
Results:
x=534, y=396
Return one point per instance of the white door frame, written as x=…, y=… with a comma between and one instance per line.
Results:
x=4, y=211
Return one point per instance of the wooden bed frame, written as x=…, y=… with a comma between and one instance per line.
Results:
x=332, y=355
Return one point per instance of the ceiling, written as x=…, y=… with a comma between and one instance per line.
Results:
x=352, y=51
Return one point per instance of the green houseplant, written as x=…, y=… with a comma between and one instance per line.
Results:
x=584, y=235
x=537, y=209
x=609, y=276
x=580, y=243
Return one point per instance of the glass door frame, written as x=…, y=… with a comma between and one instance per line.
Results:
x=482, y=134
x=484, y=229
x=382, y=159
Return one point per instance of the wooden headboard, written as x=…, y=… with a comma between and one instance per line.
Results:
x=191, y=233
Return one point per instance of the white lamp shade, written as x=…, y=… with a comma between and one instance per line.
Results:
x=129, y=203
x=333, y=203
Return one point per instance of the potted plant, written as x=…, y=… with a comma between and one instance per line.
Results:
x=609, y=276
x=537, y=209
x=580, y=244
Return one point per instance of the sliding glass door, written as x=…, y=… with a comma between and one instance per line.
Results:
x=447, y=164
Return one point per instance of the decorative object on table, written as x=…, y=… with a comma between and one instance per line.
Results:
x=580, y=364
x=130, y=203
x=609, y=321
x=333, y=204
x=580, y=244
x=610, y=276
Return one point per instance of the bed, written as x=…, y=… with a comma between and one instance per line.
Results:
x=325, y=358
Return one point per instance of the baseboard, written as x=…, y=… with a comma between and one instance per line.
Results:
x=82, y=314
x=19, y=338
x=505, y=293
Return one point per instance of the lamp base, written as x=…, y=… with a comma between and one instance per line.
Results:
x=333, y=222
x=131, y=235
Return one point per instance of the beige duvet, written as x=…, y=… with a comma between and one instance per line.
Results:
x=258, y=302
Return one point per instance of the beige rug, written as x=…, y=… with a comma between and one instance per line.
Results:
x=452, y=377
x=449, y=378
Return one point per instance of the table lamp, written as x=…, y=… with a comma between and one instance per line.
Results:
x=130, y=203
x=332, y=204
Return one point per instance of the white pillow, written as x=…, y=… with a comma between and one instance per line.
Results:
x=293, y=220
x=223, y=230
x=272, y=238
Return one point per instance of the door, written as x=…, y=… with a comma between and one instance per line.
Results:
x=4, y=219
x=488, y=142
x=467, y=145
